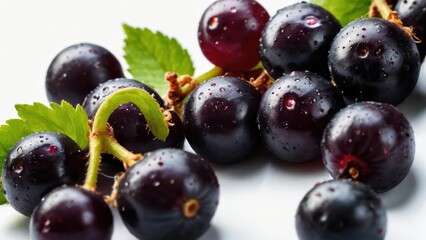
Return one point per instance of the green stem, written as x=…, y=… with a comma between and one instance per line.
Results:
x=101, y=138
x=127, y=157
x=214, y=72
x=383, y=8
x=95, y=149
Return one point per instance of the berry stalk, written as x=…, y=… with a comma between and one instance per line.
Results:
x=101, y=139
x=383, y=8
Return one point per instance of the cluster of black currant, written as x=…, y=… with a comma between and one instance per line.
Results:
x=171, y=194
x=326, y=92
x=308, y=90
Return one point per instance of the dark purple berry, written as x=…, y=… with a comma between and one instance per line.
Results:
x=369, y=142
x=372, y=59
x=169, y=194
x=413, y=14
x=341, y=210
x=37, y=164
x=229, y=33
x=298, y=38
x=69, y=213
x=219, y=119
x=78, y=69
x=293, y=114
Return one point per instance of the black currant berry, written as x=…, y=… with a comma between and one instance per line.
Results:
x=37, y=164
x=169, y=194
x=341, y=210
x=369, y=142
x=229, y=33
x=78, y=69
x=219, y=119
x=293, y=113
x=372, y=59
x=298, y=37
x=127, y=121
x=69, y=213
x=413, y=14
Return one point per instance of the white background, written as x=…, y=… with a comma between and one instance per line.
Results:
x=259, y=197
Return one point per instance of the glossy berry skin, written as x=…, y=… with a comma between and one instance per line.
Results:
x=372, y=59
x=293, y=113
x=229, y=32
x=37, y=164
x=369, y=142
x=219, y=119
x=127, y=121
x=169, y=194
x=69, y=213
x=413, y=14
x=78, y=69
x=298, y=38
x=341, y=210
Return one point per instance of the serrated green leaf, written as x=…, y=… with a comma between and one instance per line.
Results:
x=151, y=54
x=345, y=10
x=63, y=118
x=2, y=197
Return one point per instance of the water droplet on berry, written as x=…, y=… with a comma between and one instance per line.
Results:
x=213, y=23
x=362, y=51
x=289, y=102
x=46, y=226
x=311, y=21
x=18, y=167
x=52, y=149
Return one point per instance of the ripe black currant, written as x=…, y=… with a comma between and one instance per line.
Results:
x=78, y=69
x=293, y=113
x=369, y=142
x=219, y=119
x=341, y=209
x=68, y=213
x=372, y=59
x=169, y=194
x=37, y=164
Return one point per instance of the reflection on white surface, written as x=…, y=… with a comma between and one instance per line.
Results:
x=259, y=197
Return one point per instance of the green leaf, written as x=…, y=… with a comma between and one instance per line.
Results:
x=345, y=10
x=63, y=118
x=2, y=197
x=151, y=54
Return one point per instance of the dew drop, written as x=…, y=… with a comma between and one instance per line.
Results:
x=289, y=102
x=52, y=149
x=362, y=51
x=18, y=167
x=46, y=226
x=213, y=23
x=311, y=21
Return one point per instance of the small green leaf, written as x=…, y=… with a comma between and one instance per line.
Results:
x=63, y=118
x=151, y=54
x=345, y=10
